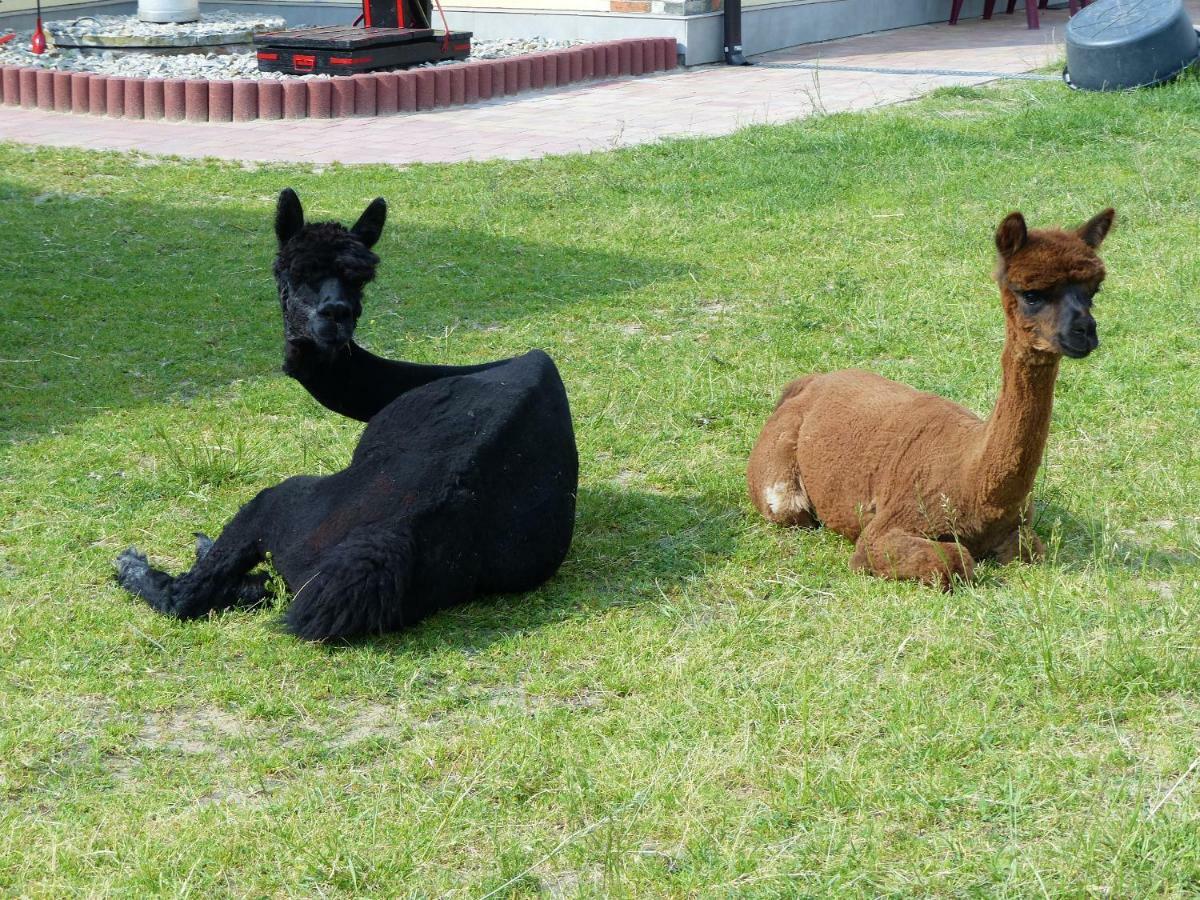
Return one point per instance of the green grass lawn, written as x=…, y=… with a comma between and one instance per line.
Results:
x=699, y=704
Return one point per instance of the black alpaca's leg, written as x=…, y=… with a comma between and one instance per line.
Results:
x=358, y=589
x=253, y=589
x=215, y=582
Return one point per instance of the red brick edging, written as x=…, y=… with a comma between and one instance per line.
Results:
x=374, y=94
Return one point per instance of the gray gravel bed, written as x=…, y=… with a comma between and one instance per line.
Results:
x=209, y=24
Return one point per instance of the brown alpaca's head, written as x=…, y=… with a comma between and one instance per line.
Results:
x=1048, y=279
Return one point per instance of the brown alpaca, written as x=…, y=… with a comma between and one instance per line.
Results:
x=921, y=485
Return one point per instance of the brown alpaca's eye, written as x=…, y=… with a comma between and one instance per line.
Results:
x=1033, y=299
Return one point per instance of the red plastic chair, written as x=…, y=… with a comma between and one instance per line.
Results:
x=1031, y=9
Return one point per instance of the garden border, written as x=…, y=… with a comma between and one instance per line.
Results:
x=366, y=94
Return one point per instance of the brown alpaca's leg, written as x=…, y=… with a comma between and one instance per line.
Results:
x=1030, y=548
x=772, y=477
x=909, y=557
x=775, y=485
x=1022, y=544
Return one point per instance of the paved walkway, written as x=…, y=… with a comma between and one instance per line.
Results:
x=710, y=100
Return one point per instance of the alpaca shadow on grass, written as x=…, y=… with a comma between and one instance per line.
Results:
x=629, y=547
x=124, y=304
x=1081, y=542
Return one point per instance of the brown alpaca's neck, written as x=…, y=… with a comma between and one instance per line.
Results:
x=1014, y=438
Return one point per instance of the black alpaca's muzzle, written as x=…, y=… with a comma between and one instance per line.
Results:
x=332, y=324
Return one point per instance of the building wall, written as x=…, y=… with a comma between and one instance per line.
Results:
x=766, y=24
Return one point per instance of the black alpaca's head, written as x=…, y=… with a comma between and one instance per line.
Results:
x=321, y=270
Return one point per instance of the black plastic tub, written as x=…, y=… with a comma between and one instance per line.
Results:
x=1115, y=45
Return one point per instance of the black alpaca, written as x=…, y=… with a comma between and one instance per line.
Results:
x=462, y=484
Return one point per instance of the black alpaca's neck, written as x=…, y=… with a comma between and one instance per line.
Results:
x=355, y=382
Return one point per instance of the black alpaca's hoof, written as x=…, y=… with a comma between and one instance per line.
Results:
x=136, y=575
x=132, y=568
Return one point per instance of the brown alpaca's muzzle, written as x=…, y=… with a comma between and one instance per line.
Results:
x=1077, y=337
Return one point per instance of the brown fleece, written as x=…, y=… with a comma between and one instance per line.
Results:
x=921, y=484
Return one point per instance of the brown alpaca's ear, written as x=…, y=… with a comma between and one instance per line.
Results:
x=1097, y=227
x=1011, y=235
x=289, y=216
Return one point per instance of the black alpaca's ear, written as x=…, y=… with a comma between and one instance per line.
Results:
x=289, y=216
x=369, y=226
x=1097, y=227
x=1011, y=235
